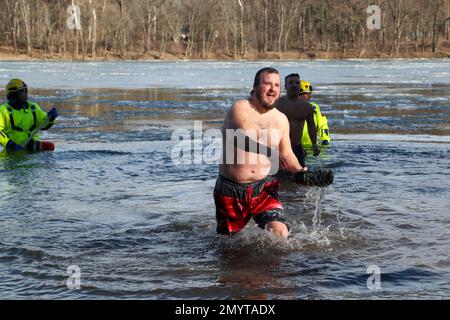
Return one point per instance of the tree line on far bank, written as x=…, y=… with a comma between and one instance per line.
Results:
x=236, y=29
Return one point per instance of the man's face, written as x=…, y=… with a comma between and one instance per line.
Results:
x=268, y=91
x=292, y=86
x=22, y=95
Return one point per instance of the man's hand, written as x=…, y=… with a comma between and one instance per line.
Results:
x=12, y=146
x=284, y=166
x=316, y=150
x=52, y=114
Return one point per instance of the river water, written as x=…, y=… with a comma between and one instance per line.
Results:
x=110, y=203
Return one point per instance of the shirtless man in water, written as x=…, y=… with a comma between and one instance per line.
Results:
x=245, y=187
x=297, y=110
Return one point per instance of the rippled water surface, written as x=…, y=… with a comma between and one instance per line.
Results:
x=111, y=201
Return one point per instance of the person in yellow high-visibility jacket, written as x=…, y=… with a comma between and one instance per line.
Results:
x=20, y=120
x=320, y=120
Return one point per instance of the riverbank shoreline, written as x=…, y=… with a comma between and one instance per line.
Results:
x=7, y=54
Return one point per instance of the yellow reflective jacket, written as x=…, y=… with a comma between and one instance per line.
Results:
x=16, y=125
x=321, y=122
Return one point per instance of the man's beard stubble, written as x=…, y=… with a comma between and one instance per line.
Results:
x=266, y=105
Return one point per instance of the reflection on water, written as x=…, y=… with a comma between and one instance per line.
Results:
x=110, y=200
x=246, y=271
x=355, y=108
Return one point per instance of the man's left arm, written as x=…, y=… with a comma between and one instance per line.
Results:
x=312, y=132
x=324, y=130
x=288, y=160
x=42, y=116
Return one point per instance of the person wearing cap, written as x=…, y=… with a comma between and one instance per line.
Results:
x=20, y=120
x=320, y=120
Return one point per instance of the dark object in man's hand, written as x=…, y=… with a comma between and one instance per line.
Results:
x=318, y=177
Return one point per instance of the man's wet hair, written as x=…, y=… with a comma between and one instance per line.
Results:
x=257, y=81
x=292, y=75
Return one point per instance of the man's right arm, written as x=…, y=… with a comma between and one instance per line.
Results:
x=5, y=141
x=3, y=137
x=311, y=125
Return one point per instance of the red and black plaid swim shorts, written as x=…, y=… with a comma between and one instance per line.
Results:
x=237, y=203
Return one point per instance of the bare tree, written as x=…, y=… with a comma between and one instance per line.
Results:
x=439, y=21
x=123, y=28
x=199, y=28
x=241, y=28
x=12, y=9
x=93, y=28
x=25, y=14
x=231, y=21
x=398, y=15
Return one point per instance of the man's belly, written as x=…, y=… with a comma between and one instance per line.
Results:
x=244, y=173
x=246, y=167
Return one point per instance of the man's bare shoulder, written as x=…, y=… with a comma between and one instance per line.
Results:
x=237, y=113
x=240, y=106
